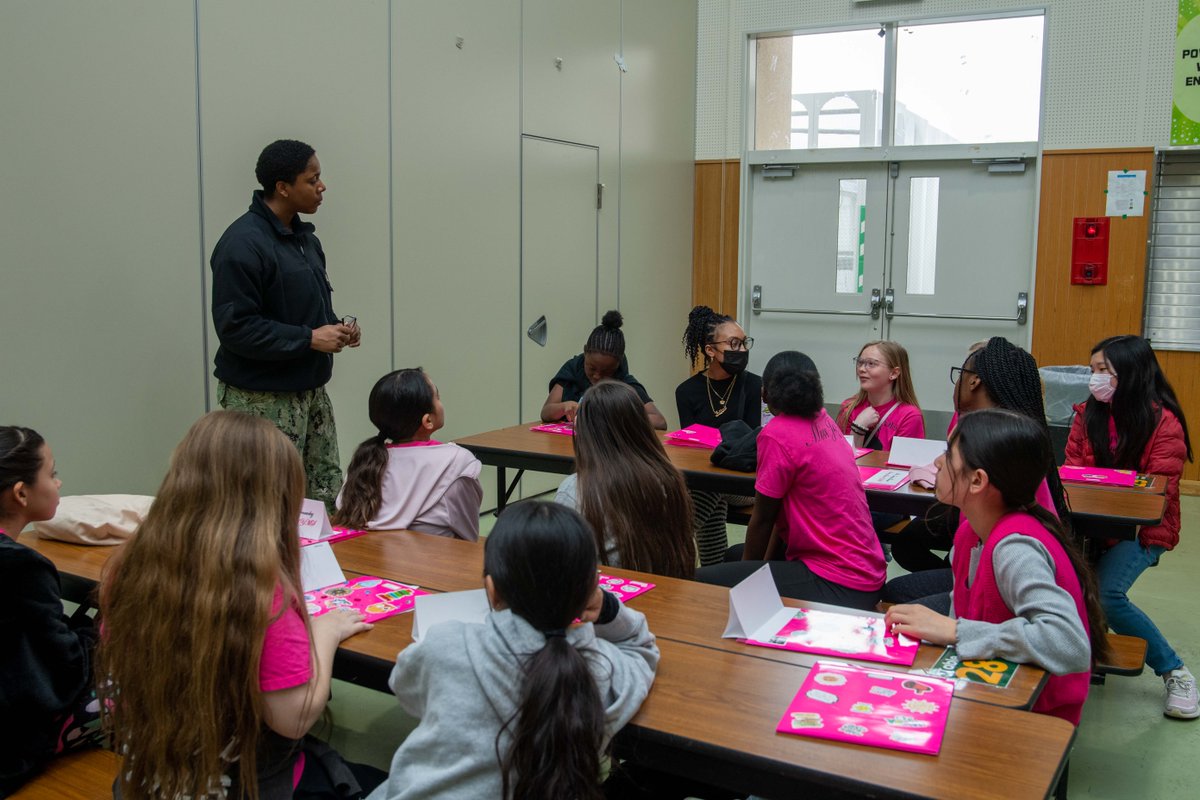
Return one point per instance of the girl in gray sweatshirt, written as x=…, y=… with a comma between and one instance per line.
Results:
x=525, y=704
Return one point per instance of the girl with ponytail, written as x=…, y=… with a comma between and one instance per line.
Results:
x=401, y=477
x=1022, y=590
x=523, y=705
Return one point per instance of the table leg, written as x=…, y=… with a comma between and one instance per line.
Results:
x=503, y=493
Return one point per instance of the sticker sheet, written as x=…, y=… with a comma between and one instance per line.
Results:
x=561, y=428
x=1101, y=475
x=831, y=634
x=376, y=598
x=622, y=588
x=880, y=708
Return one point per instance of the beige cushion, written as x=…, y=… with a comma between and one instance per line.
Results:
x=95, y=518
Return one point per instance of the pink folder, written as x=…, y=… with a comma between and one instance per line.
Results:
x=695, y=436
x=376, y=598
x=880, y=708
x=828, y=633
x=1100, y=475
x=624, y=589
x=338, y=535
x=562, y=428
x=871, y=477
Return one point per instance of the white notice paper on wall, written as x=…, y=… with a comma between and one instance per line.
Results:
x=1126, y=193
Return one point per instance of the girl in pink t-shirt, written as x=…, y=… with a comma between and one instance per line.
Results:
x=215, y=671
x=1022, y=590
x=886, y=404
x=810, y=506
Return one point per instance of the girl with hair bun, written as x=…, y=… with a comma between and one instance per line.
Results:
x=1022, y=590
x=809, y=504
x=603, y=357
x=524, y=704
x=401, y=478
x=723, y=391
x=1133, y=420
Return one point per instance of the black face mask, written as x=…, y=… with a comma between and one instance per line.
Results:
x=735, y=361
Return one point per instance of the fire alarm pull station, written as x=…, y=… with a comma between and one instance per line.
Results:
x=1089, y=251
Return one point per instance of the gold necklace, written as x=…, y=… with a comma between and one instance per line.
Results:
x=722, y=401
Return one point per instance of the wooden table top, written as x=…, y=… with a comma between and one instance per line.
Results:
x=519, y=447
x=989, y=751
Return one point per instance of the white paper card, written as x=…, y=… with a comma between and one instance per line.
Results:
x=754, y=605
x=1126, y=193
x=908, y=452
x=431, y=609
x=887, y=479
x=314, y=520
x=319, y=567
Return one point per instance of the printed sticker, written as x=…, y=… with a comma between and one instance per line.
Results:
x=917, y=687
x=920, y=706
x=905, y=721
x=338, y=591
x=910, y=737
x=807, y=719
x=862, y=708
x=850, y=729
x=831, y=678
x=379, y=608
x=822, y=696
x=882, y=691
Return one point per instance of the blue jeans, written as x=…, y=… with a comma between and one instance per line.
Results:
x=1116, y=571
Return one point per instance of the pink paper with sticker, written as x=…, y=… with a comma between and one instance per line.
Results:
x=562, y=428
x=703, y=436
x=338, y=535
x=376, y=598
x=828, y=633
x=880, y=708
x=1100, y=475
x=624, y=589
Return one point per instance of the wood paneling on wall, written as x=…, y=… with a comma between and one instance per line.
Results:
x=1068, y=320
x=715, y=235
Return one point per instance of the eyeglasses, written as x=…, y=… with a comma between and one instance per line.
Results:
x=956, y=373
x=865, y=363
x=737, y=344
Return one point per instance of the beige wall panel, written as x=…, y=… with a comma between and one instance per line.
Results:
x=456, y=129
x=314, y=70
x=657, y=104
x=98, y=218
x=579, y=102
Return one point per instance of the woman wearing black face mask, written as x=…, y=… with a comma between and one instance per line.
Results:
x=721, y=392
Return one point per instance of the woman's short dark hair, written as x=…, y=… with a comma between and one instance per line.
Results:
x=281, y=160
x=792, y=385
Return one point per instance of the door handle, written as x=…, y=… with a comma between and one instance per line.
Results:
x=889, y=302
x=537, y=331
x=875, y=303
x=1021, y=318
x=756, y=306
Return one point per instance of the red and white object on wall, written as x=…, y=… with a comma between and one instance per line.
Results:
x=1089, y=251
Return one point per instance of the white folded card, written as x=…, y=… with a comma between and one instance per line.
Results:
x=319, y=567
x=755, y=610
x=908, y=452
x=431, y=609
x=314, y=520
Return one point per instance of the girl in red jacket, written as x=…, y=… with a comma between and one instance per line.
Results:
x=1133, y=421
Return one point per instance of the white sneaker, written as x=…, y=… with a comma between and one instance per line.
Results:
x=1183, y=701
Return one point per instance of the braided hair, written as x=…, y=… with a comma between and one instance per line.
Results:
x=606, y=337
x=701, y=328
x=1010, y=377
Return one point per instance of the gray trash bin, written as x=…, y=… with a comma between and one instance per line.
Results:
x=1065, y=387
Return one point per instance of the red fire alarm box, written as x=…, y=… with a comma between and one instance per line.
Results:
x=1089, y=251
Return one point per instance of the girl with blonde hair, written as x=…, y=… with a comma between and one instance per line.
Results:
x=213, y=673
x=886, y=405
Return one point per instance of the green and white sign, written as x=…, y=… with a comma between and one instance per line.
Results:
x=1185, y=113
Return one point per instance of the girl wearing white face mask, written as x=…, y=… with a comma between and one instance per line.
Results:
x=1133, y=421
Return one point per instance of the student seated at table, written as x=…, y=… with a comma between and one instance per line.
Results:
x=886, y=405
x=603, y=357
x=1133, y=421
x=721, y=392
x=809, y=504
x=1022, y=590
x=403, y=478
x=996, y=375
x=524, y=704
x=214, y=671
x=627, y=489
x=46, y=697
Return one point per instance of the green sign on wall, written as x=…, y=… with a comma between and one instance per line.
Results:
x=1185, y=113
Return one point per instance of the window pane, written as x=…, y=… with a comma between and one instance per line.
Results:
x=969, y=82
x=834, y=82
x=852, y=221
x=922, y=234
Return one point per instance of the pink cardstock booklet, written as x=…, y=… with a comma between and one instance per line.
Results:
x=624, y=589
x=1099, y=475
x=859, y=452
x=338, y=535
x=703, y=436
x=376, y=598
x=561, y=428
x=882, y=478
x=880, y=708
x=757, y=616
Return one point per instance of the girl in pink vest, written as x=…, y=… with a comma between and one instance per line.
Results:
x=1022, y=591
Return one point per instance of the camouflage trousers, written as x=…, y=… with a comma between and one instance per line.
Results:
x=307, y=419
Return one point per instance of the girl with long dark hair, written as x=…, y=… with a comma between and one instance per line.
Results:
x=523, y=705
x=1022, y=590
x=401, y=478
x=1133, y=421
x=627, y=489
